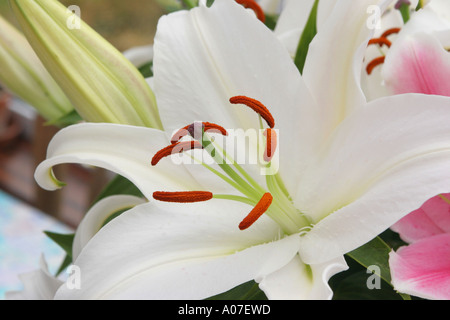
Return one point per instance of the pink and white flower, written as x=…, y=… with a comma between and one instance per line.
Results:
x=422, y=268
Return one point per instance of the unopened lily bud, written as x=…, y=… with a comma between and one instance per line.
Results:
x=23, y=75
x=100, y=82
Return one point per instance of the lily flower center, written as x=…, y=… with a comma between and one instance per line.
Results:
x=273, y=199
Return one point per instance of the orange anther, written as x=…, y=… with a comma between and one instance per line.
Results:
x=388, y=32
x=256, y=106
x=182, y=196
x=175, y=148
x=381, y=41
x=375, y=62
x=260, y=208
x=271, y=144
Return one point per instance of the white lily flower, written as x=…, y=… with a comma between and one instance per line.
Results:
x=412, y=56
x=38, y=284
x=293, y=18
x=347, y=169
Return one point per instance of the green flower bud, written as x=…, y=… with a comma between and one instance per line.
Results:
x=23, y=75
x=101, y=83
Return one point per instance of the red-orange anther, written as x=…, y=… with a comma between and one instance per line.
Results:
x=388, y=32
x=375, y=62
x=207, y=126
x=260, y=208
x=253, y=5
x=182, y=196
x=381, y=41
x=256, y=106
x=175, y=148
x=271, y=144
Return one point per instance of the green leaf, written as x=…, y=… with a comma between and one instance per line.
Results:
x=247, y=291
x=66, y=262
x=65, y=241
x=307, y=36
x=119, y=185
x=352, y=285
x=271, y=21
x=146, y=69
x=374, y=253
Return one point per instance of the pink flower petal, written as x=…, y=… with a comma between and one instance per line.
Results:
x=418, y=64
x=415, y=226
x=422, y=269
x=431, y=219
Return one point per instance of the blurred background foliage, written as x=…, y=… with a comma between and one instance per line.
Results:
x=123, y=23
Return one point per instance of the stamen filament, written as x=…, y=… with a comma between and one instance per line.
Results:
x=182, y=196
x=260, y=208
x=256, y=106
x=248, y=189
x=222, y=176
x=246, y=176
x=175, y=148
x=375, y=62
x=253, y=5
x=234, y=198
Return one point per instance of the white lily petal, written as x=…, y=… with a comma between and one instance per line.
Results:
x=96, y=217
x=293, y=18
x=139, y=55
x=125, y=150
x=402, y=150
x=334, y=79
x=179, y=251
x=428, y=19
x=271, y=7
x=298, y=281
x=442, y=7
x=195, y=84
x=38, y=284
